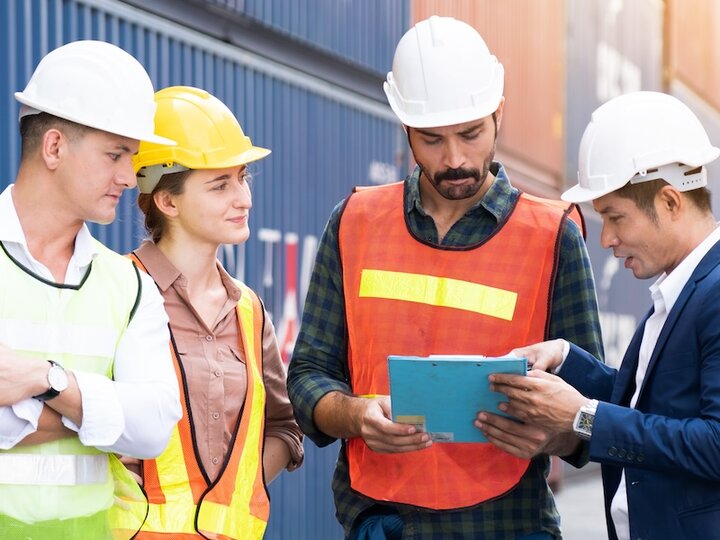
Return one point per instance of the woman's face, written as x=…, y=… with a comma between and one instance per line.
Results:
x=214, y=206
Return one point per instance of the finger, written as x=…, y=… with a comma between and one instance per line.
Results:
x=542, y=375
x=400, y=444
x=508, y=379
x=504, y=440
x=513, y=393
x=525, y=438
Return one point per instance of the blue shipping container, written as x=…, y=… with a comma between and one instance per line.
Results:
x=324, y=140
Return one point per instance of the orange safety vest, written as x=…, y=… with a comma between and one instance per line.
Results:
x=404, y=296
x=236, y=506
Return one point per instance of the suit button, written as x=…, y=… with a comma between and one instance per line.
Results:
x=630, y=456
x=612, y=451
x=640, y=458
x=622, y=453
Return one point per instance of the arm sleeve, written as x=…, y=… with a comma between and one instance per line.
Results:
x=135, y=413
x=687, y=443
x=18, y=421
x=279, y=420
x=574, y=315
x=318, y=363
x=587, y=374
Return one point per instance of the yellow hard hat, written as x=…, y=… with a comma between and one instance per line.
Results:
x=207, y=133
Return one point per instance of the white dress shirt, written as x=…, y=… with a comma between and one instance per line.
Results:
x=132, y=414
x=664, y=293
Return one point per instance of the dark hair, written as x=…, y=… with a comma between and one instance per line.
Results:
x=174, y=184
x=33, y=127
x=643, y=195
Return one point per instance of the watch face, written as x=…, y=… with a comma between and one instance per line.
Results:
x=585, y=422
x=57, y=378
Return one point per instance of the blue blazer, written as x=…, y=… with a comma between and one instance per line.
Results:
x=669, y=444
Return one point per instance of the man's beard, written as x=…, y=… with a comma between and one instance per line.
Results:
x=464, y=191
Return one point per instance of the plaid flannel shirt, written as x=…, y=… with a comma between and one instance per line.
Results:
x=319, y=366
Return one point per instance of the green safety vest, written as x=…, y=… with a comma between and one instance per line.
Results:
x=63, y=489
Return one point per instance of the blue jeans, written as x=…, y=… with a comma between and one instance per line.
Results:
x=378, y=527
x=390, y=527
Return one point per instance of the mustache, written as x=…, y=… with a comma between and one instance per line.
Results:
x=456, y=174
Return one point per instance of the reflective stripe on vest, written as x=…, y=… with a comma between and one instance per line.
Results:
x=55, y=484
x=53, y=470
x=236, y=506
x=481, y=299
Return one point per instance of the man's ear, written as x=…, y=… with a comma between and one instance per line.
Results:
x=670, y=201
x=165, y=203
x=499, y=113
x=54, y=148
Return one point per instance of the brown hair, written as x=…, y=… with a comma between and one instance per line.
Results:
x=33, y=127
x=643, y=195
x=174, y=184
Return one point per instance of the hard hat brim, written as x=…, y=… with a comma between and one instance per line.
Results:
x=130, y=133
x=579, y=194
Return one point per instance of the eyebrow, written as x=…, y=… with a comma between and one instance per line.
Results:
x=124, y=148
x=470, y=129
x=218, y=178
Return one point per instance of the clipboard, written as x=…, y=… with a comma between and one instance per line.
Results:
x=442, y=394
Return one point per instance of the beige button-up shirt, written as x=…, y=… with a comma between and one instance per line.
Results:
x=214, y=363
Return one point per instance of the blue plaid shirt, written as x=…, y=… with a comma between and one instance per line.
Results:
x=319, y=366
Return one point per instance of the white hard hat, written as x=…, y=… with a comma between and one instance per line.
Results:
x=94, y=84
x=443, y=74
x=638, y=137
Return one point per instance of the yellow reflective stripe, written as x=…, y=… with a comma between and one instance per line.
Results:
x=235, y=518
x=438, y=291
x=172, y=473
x=180, y=515
x=230, y=520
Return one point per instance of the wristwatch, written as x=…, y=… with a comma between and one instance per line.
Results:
x=583, y=423
x=57, y=382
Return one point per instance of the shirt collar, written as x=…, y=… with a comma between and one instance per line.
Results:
x=494, y=201
x=11, y=231
x=165, y=274
x=669, y=286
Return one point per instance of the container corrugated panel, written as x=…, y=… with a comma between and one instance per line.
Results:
x=529, y=40
x=710, y=119
x=324, y=140
x=693, y=46
x=613, y=48
x=364, y=31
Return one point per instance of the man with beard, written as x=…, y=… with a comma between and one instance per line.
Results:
x=421, y=267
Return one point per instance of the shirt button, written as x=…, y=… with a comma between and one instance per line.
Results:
x=215, y=461
x=209, y=338
x=215, y=415
x=218, y=373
